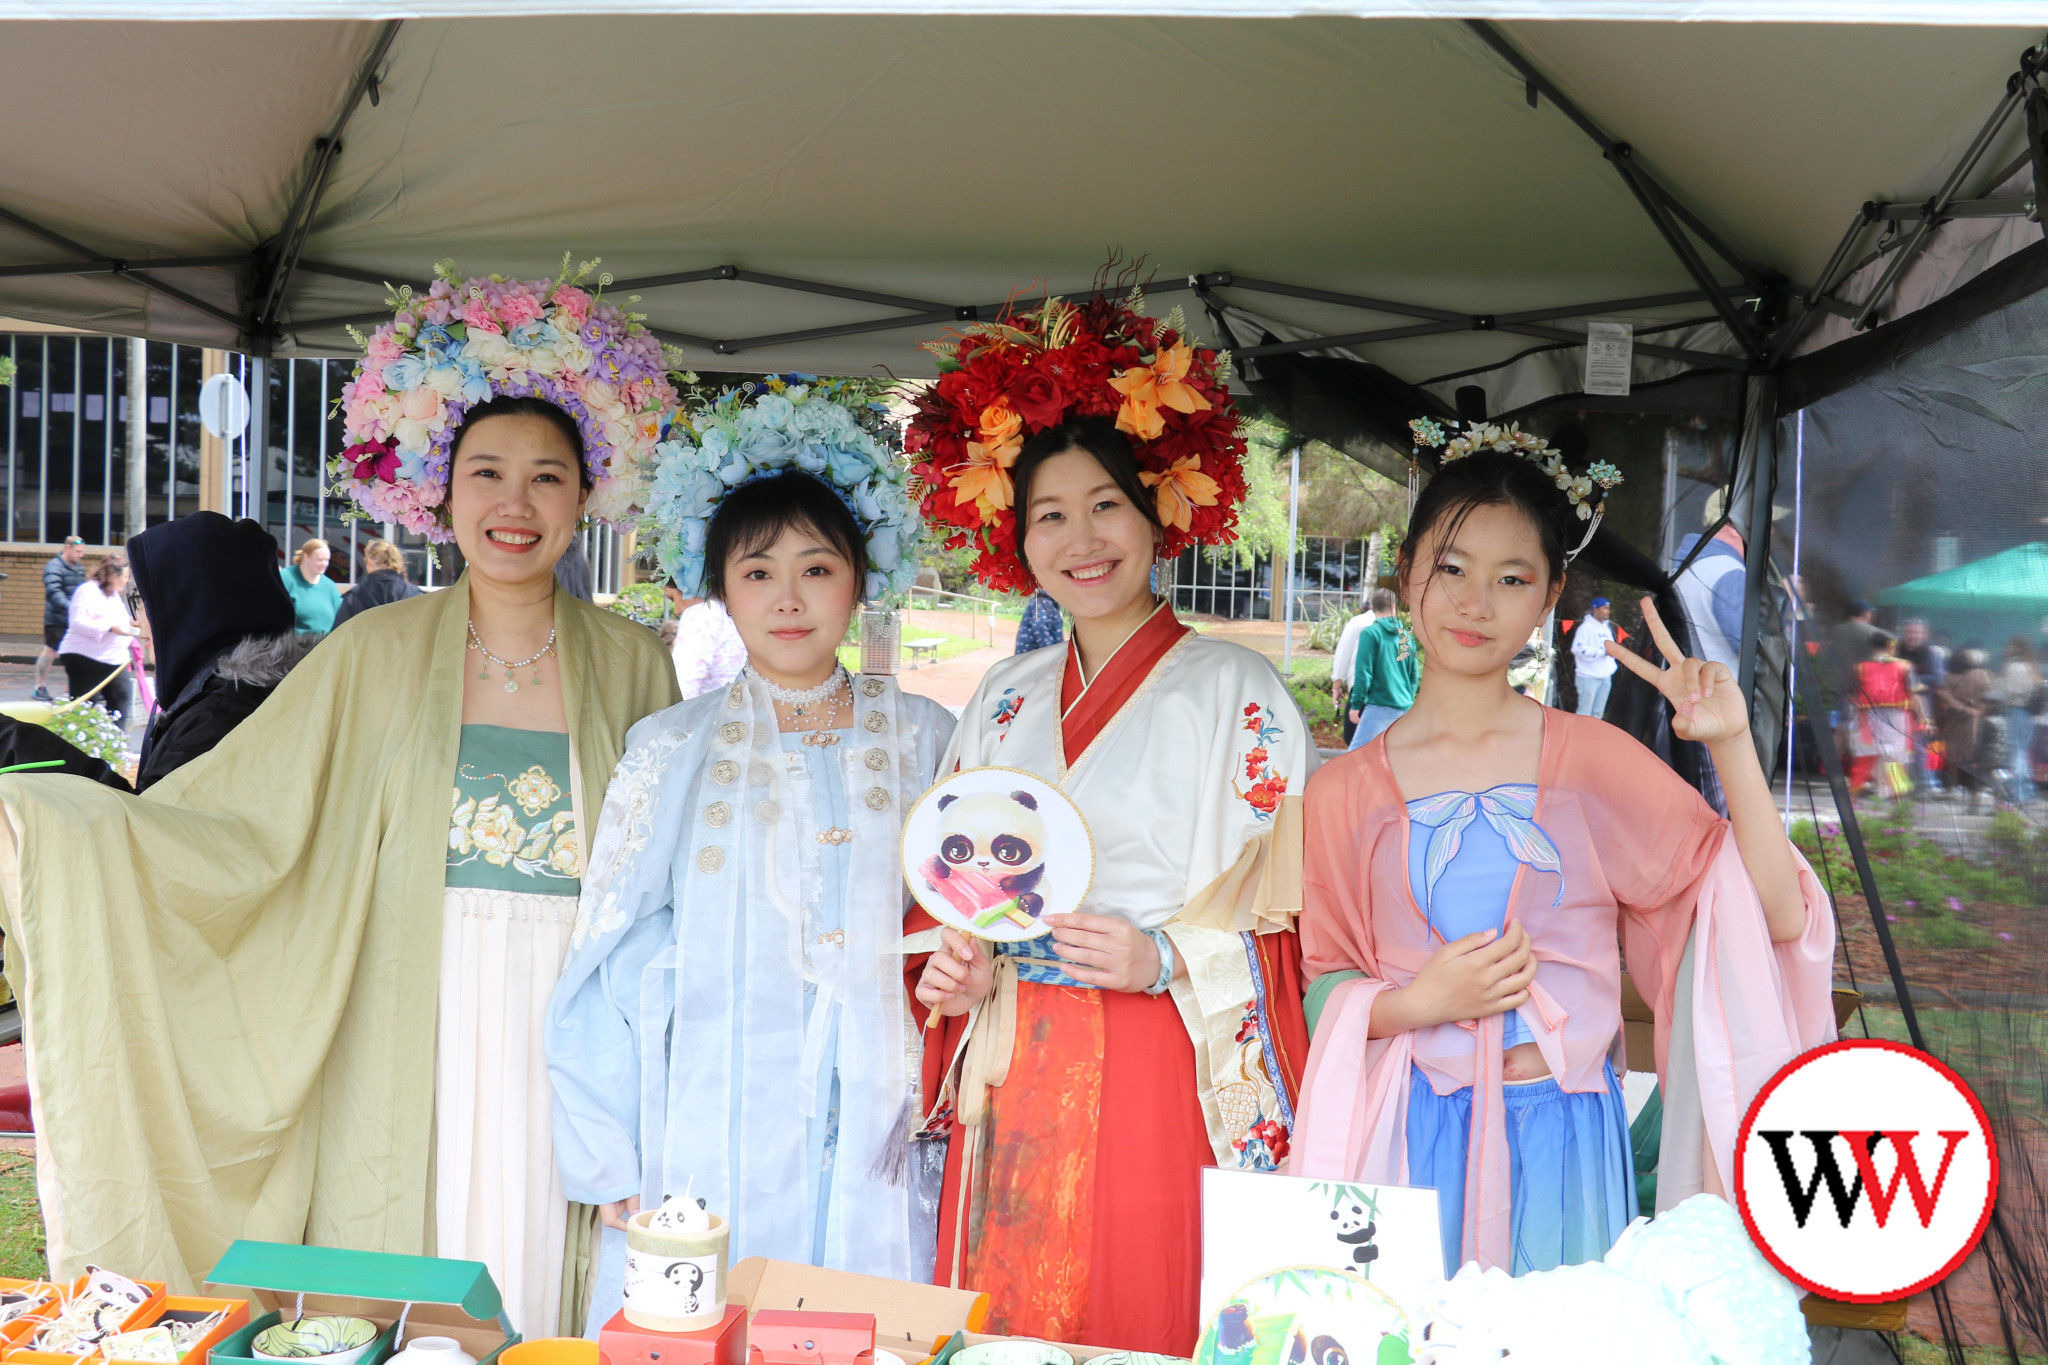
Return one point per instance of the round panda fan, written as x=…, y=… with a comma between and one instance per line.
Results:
x=993, y=851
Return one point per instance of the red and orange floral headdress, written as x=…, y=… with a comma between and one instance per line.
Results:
x=1001, y=383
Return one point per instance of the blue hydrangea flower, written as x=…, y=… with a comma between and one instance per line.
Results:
x=403, y=375
x=531, y=334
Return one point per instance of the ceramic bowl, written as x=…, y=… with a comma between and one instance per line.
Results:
x=433, y=1351
x=317, y=1341
x=1013, y=1353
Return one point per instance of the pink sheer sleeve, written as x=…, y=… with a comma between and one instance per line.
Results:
x=1750, y=1005
x=1355, y=1088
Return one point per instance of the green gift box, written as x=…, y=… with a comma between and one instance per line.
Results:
x=424, y=1295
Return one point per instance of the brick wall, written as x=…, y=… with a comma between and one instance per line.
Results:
x=21, y=596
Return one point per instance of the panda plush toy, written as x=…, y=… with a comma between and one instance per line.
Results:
x=991, y=857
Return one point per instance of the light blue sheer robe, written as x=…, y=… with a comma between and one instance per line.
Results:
x=617, y=1006
x=1570, y=1166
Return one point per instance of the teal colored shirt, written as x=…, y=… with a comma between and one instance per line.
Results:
x=513, y=826
x=1378, y=677
x=313, y=604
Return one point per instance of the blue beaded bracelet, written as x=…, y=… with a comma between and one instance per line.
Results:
x=1165, y=980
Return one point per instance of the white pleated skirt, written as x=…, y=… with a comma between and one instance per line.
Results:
x=497, y=1196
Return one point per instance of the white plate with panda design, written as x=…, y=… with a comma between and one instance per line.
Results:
x=993, y=851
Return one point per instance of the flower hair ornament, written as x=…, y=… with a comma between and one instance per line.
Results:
x=466, y=342
x=1001, y=383
x=715, y=443
x=1586, y=492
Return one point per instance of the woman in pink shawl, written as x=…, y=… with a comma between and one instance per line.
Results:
x=1474, y=877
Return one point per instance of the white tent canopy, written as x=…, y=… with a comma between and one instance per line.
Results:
x=908, y=165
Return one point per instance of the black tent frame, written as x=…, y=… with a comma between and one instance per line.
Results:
x=1763, y=313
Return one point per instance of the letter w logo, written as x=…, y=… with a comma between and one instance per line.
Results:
x=1862, y=1148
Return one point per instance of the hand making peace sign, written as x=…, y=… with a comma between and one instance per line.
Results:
x=1705, y=700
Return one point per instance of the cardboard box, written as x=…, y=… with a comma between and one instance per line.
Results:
x=786, y=1336
x=21, y=1330
x=435, y=1297
x=17, y=1331
x=910, y=1319
x=172, y=1308
x=622, y=1343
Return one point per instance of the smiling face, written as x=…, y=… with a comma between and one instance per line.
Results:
x=1476, y=595
x=313, y=563
x=514, y=498
x=1089, y=547
x=791, y=601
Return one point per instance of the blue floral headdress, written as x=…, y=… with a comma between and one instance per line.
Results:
x=712, y=445
x=1586, y=492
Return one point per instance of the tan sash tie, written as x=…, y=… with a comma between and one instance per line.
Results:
x=988, y=1049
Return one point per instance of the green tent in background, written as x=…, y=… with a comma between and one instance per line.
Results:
x=1985, y=603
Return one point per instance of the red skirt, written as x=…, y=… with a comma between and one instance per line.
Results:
x=1083, y=1198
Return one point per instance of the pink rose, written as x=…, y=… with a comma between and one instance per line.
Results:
x=384, y=346
x=477, y=314
x=575, y=303
x=368, y=384
x=517, y=310
x=421, y=404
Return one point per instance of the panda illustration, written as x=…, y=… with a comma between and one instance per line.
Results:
x=675, y=1274
x=1355, y=1229
x=991, y=856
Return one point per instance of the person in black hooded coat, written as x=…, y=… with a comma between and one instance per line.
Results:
x=221, y=623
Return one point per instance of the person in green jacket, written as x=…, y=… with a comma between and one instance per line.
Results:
x=315, y=598
x=1382, y=682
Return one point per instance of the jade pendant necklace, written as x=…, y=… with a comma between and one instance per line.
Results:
x=476, y=643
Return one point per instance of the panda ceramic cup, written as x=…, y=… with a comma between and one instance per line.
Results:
x=992, y=851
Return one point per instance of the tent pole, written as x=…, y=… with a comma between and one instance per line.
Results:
x=291, y=237
x=99, y=264
x=109, y=265
x=1759, y=453
x=1938, y=205
x=2037, y=149
x=257, y=446
x=1654, y=200
x=1654, y=197
x=1293, y=520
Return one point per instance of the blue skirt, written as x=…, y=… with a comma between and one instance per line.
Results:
x=1571, y=1173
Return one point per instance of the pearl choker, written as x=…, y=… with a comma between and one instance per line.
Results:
x=791, y=696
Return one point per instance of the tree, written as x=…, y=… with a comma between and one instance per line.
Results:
x=1339, y=496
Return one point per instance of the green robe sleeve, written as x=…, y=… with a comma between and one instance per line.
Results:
x=224, y=982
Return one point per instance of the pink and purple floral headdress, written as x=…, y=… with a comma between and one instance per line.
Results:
x=467, y=342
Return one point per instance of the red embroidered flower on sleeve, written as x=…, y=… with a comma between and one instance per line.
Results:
x=1268, y=785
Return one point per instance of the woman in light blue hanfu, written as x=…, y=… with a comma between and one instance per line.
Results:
x=732, y=1023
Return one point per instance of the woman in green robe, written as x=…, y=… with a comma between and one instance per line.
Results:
x=252, y=995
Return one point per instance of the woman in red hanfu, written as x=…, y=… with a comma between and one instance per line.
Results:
x=1088, y=1076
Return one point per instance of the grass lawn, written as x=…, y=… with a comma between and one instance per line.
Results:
x=1917, y=1350
x=21, y=1219
x=952, y=647
x=1990, y=1048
